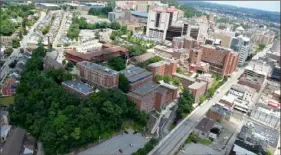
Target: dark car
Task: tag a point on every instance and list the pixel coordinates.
(126, 132)
(120, 151)
(135, 132)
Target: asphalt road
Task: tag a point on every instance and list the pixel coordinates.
(171, 143)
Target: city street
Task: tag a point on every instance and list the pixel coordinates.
(171, 143)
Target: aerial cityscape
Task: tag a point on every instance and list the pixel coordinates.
(165, 77)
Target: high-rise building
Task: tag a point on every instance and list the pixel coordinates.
(221, 60)
(98, 75)
(160, 17)
(242, 46)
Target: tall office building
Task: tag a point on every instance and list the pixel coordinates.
(160, 17)
(242, 46)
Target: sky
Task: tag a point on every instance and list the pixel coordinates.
(261, 5)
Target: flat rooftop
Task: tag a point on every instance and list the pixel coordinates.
(159, 63)
(146, 88)
(197, 85)
(134, 74)
(79, 86)
(96, 67)
(184, 76)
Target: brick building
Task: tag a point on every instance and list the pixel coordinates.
(51, 63)
(196, 65)
(222, 61)
(207, 78)
(79, 88)
(163, 68)
(137, 76)
(185, 80)
(96, 55)
(219, 112)
(152, 96)
(197, 89)
(98, 75)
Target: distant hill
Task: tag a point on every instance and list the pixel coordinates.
(237, 11)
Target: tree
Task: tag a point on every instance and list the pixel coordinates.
(16, 43)
(117, 63)
(123, 83)
(154, 59)
(180, 71)
(69, 65)
(167, 79)
(115, 26)
(158, 78)
(63, 61)
(202, 99)
(176, 81)
(8, 51)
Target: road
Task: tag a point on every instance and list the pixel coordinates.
(16, 53)
(31, 30)
(171, 143)
(62, 25)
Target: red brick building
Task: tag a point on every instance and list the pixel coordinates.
(197, 89)
(137, 77)
(220, 60)
(106, 52)
(152, 96)
(98, 75)
(163, 68)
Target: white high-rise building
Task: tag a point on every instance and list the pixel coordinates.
(241, 45)
(160, 17)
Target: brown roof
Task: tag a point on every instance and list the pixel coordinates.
(107, 48)
(13, 146)
(205, 125)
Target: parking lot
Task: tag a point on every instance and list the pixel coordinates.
(198, 149)
(121, 142)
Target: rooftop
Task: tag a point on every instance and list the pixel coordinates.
(140, 14)
(96, 67)
(49, 4)
(197, 85)
(79, 86)
(159, 63)
(184, 77)
(13, 145)
(146, 88)
(135, 74)
(242, 88)
(205, 124)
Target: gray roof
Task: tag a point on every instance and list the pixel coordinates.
(205, 124)
(79, 86)
(184, 77)
(13, 145)
(197, 85)
(96, 67)
(53, 62)
(219, 110)
(135, 74)
(146, 88)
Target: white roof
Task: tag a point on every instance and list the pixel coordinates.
(229, 98)
(49, 4)
(240, 28)
(5, 130)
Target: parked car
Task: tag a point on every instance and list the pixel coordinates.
(120, 151)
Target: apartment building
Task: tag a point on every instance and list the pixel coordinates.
(137, 76)
(263, 36)
(206, 78)
(79, 88)
(196, 65)
(160, 17)
(243, 92)
(97, 55)
(100, 76)
(163, 68)
(254, 75)
(242, 46)
(222, 61)
(224, 36)
(198, 89)
(185, 80)
(266, 115)
(152, 96)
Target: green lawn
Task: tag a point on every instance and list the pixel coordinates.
(7, 100)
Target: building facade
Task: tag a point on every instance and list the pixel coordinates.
(98, 75)
(197, 89)
(163, 68)
(242, 46)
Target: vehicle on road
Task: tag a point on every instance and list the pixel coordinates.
(135, 132)
(126, 132)
(120, 151)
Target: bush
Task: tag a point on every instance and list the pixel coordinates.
(147, 147)
(8, 51)
(123, 83)
(117, 63)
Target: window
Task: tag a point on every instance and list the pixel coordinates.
(157, 19)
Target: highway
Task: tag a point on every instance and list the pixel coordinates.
(171, 143)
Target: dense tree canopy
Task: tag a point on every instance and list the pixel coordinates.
(123, 83)
(117, 63)
(60, 120)
(184, 105)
